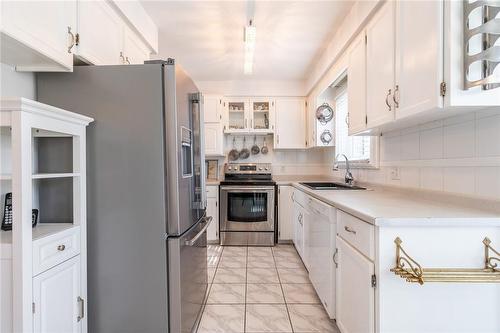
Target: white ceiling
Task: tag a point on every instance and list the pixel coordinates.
(206, 37)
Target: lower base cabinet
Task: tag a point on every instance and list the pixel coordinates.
(213, 210)
(355, 304)
(57, 304)
(285, 214)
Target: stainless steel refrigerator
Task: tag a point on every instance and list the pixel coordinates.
(146, 221)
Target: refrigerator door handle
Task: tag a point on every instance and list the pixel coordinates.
(193, 240)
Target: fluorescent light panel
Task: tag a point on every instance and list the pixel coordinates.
(250, 35)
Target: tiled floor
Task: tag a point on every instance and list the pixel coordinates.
(261, 289)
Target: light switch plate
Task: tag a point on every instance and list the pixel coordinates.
(395, 173)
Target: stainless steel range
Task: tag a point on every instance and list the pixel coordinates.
(247, 209)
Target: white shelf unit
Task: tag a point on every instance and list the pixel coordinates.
(42, 151)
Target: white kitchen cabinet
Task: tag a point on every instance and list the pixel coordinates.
(214, 145)
(213, 210)
(134, 49)
(255, 115)
(57, 301)
(285, 214)
(213, 109)
(356, 86)
(36, 35)
(419, 57)
(380, 54)
(101, 33)
(355, 305)
(290, 129)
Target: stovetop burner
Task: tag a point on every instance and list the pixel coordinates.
(248, 174)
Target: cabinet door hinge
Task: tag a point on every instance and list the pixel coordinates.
(442, 89)
(77, 39)
(374, 281)
(366, 39)
(33, 307)
(366, 120)
(216, 203)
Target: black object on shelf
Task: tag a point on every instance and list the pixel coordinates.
(7, 214)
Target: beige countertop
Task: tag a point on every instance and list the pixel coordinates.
(396, 207)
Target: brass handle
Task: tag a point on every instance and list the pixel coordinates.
(127, 61)
(61, 247)
(352, 231)
(72, 40)
(122, 57)
(81, 303)
(334, 258)
(387, 99)
(396, 100)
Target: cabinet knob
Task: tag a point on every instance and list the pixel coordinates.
(122, 58)
(61, 247)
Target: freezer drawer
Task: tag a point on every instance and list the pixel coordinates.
(187, 277)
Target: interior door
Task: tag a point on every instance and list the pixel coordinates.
(55, 295)
(419, 56)
(380, 54)
(355, 295)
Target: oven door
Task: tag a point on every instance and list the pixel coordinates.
(249, 208)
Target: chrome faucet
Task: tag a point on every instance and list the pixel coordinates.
(349, 179)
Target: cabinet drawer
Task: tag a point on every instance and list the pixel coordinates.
(300, 197)
(212, 191)
(357, 233)
(52, 250)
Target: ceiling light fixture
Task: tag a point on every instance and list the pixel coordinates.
(249, 39)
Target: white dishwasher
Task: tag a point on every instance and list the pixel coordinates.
(321, 251)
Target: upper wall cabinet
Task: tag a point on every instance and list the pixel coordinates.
(249, 115)
(356, 86)
(380, 67)
(100, 31)
(414, 67)
(38, 34)
(291, 130)
(49, 35)
(213, 109)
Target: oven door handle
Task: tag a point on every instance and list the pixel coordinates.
(247, 189)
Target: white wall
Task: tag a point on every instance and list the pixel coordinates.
(253, 88)
(459, 155)
(16, 84)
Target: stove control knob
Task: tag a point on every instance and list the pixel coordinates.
(267, 168)
(260, 169)
(230, 168)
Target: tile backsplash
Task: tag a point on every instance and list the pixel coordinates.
(315, 161)
(460, 155)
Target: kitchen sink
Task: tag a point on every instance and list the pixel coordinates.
(331, 186)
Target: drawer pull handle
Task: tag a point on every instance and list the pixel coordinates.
(334, 258)
(352, 231)
(61, 247)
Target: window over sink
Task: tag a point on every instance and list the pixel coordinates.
(362, 151)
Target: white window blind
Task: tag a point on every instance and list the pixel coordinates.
(356, 148)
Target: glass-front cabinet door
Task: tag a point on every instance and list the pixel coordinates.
(237, 115)
(262, 115)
